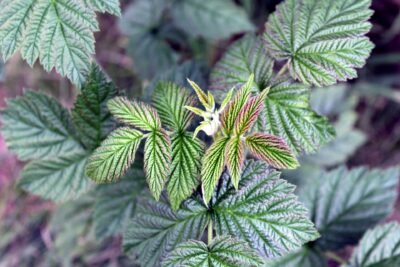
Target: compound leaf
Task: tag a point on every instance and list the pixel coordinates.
(115, 204)
(156, 229)
(287, 111)
(264, 212)
(185, 169)
(157, 161)
(380, 247)
(135, 113)
(344, 204)
(90, 113)
(212, 167)
(59, 179)
(193, 16)
(170, 100)
(36, 126)
(115, 155)
(272, 150)
(223, 251)
(57, 32)
(322, 41)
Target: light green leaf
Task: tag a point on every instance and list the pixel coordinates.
(170, 100)
(135, 113)
(272, 150)
(344, 204)
(380, 247)
(305, 257)
(115, 204)
(322, 41)
(232, 110)
(185, 169)
(212, 167)
(157, 161)
(110, 6)
(115, 155)
(58, 32)
(223, 251)
(264, 212)
(235, 155)
(90, 114)
(156, 229)
(287, 110)
(221, 18)
(36, 126)
(58, 179)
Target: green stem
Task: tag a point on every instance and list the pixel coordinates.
(210, 232)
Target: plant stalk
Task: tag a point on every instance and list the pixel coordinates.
(334, 257)
(283, 69)
(210, 232)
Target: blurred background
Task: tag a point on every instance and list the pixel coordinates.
(141, 48)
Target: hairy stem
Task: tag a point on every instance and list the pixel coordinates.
(210, 232)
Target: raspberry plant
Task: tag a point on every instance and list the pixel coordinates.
(191, 177)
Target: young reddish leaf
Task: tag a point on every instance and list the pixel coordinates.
(231, 112)
(234, 154)
(135, 113)
(249, 113)
(212, 167)
(272, 150)
(157, 161)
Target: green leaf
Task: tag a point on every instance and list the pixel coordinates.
(185, 169)
(90, 114)
(289, 116)
(287, 110)
(344, 204)
(223, 251)
(170, 100)
(264, 212)
(115, 204)
(235, 155)
(272, 150)
(58, 179)
(36, 126)
(148, 47)
(322, 41)
(232, 110)
(110, 6)
(380, 247)
(304, 257)
(212, 167)
(157, 161)
(58, 32)
(243, 58)
(156, 229)
(221, 18)
(112, 159)
(135, 113)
